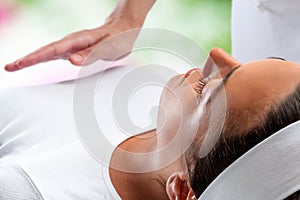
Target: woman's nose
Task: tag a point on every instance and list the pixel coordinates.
(219, 61)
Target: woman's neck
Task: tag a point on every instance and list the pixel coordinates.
(148, 184)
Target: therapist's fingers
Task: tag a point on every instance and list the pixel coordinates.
(111, 41)
(80, 58)
(50, 52)
(58, 50)
(111, 47)
(103, 51)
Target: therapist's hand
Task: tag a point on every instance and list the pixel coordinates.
(77, 46)
(104, 42)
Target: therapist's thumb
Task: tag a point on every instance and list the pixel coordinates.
(76, 59)
(82, 58)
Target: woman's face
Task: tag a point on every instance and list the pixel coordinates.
(186, 99)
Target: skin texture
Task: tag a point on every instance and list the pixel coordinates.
(75, 47)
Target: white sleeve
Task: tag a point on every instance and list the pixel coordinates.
(264, 28)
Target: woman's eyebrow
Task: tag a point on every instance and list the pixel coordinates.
(225, 79)
(278, 58)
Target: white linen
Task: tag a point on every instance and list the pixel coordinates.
(38, 134)
(269, 171)
(14, 184)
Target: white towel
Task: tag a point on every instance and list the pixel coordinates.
(269, 171)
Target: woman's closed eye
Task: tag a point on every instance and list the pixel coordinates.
(199, 86)
(203, 82)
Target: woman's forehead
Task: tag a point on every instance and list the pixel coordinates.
(261, 80)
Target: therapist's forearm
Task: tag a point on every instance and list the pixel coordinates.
(133, 11)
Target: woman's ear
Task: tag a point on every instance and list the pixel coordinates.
(177, 187)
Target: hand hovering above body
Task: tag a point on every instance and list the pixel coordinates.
(76, 47)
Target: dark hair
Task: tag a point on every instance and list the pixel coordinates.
(233, 143)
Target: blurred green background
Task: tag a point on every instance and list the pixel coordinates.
(25, 25)
(205, 21)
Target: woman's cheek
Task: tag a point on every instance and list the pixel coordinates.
(169, 113)
(176, 108)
